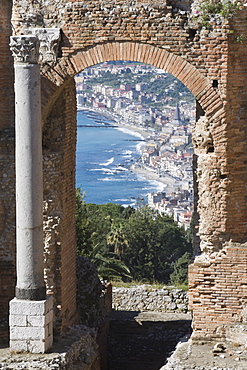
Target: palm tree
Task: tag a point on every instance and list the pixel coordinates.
(117, 240)
(108, 265)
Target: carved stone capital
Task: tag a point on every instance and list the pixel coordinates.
(49, 42)
(25, 49)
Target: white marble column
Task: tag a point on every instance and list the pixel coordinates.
(29, 179)
(31, 313)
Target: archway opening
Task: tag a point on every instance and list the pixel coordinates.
(140, 100)
(150, 101)
(199, 85)
(149, 157)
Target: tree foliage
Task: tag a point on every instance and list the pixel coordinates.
(180, 271)
(116, 240)
(108, 264)
(127, 242)
(155, 243)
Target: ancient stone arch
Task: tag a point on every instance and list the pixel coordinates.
(200, 86)
(211, 62)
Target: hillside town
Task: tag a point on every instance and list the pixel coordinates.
(154, 102)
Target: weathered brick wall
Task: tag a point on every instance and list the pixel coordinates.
(236, 112)
(68, 257)
(218, 291)
(59, 143)
(89, 23)
(7, 70)
(212, 64)
(7, 281)
(217, 279)
(7, 174)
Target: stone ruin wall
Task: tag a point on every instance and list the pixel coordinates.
(213, 66)
(146, 298)
(7, 174)
(59, 146)
(218, 277)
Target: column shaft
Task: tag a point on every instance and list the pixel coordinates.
(31, 312)
(29, 183)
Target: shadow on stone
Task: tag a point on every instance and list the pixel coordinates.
(144, 340)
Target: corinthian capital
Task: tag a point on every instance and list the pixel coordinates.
(25, 48)
(49, 39)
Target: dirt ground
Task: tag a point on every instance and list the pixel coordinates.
(187, 356)
(201, 356)
(144, 340)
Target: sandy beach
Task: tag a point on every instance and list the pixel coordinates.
(134, 128)
(118, 121)
(166, 181)
(149, 174)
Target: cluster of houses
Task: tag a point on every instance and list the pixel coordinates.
(172, 161)
(168, 151)
(131, 100)
(180, 209)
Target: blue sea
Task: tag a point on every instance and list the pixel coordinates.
(103, 159)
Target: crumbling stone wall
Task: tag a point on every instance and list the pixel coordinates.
(7, 173)
(78, 350)
(217, 277)
(147, 298)
(59, 146)
(211, 61)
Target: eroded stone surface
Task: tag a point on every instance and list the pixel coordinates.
(211, 62)
(188, 356)
(76, 350)
(144, 340)
(146, 298)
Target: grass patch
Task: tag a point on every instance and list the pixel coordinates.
(183, 287)
(150, 286)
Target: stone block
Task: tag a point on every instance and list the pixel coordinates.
(17, 320)
(37, 346)
(48, 330)
(31, 325)
(40, 321)
(49, 302)
(27, 333)
(33, 308)
(172, 306)
(18, 345)
(167, 299)
(182, 306)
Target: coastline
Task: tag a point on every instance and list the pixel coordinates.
(148, 174)
(124, 125)
(145, 134)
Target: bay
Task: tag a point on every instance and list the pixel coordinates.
(103, 159)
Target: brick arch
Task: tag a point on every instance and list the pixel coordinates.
(59, 113)
(189, 75)
(218, 280)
